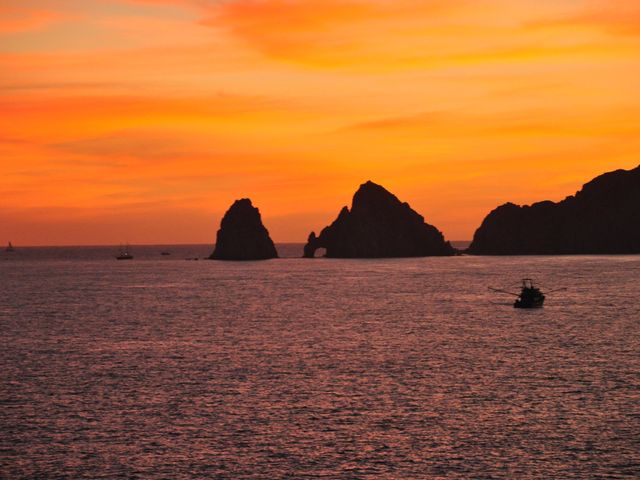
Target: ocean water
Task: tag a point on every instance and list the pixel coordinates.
(161, 368)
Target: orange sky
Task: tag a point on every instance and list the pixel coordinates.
(142, 120)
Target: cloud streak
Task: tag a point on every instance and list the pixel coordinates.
(19, 19)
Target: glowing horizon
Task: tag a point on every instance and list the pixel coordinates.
(143, 120)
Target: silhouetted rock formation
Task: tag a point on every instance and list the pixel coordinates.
(242, 235)
(378, 225)
(603, 217)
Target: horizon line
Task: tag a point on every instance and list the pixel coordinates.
(88, 245)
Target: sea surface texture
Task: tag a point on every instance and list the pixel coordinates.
(162, 368)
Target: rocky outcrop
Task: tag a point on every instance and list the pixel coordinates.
(603, 217)
(242, 236)
(378, 225)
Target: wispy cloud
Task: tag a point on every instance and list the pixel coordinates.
(16, 19)
(618, 18)
(407, 34)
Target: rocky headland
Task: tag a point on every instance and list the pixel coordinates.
(242, 236)
(378, 225)
(603, 217)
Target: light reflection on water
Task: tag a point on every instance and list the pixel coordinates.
(292, 368)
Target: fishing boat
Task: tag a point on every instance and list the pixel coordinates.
(124, 254)
(9, 248)
(530, 296)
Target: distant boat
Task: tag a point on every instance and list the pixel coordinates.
(165, 253)
(124, 254)
(9, 248)
(529, 296)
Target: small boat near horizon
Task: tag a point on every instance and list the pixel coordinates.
(124, 254)
(10, 248)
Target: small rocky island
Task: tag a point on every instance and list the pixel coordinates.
(378, 226)
(603, 217)
(242, 236)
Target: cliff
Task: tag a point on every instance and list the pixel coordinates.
(242, 236)
(378, 225)
(603, 217)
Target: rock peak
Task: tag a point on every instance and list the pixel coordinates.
(370, 184)
(378, 225)
(241, 202)
(370, 187)
(242, 236)
(372, 195)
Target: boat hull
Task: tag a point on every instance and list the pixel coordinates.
(537, 303)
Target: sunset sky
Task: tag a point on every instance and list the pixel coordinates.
(142, 120)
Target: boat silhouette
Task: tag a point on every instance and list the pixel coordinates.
(124, 254)
(530, 296)
(9, 248)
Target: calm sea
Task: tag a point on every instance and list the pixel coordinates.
(162, 368)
